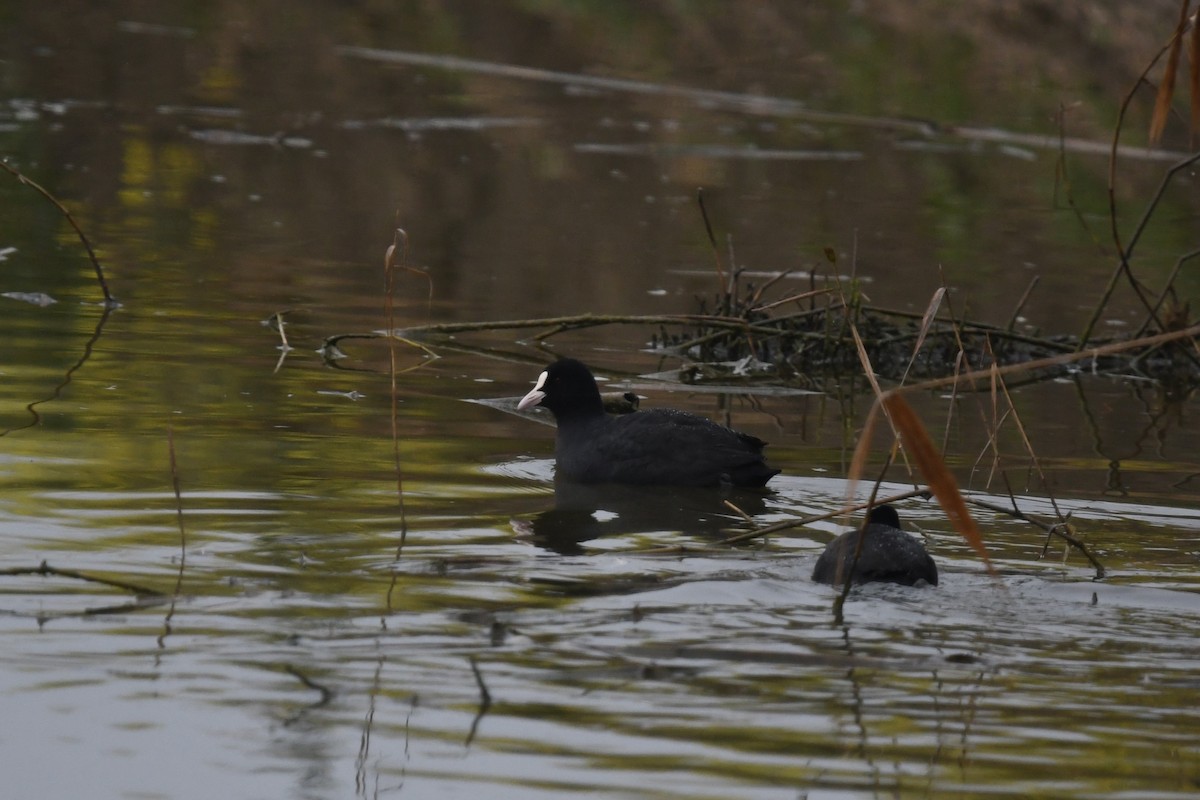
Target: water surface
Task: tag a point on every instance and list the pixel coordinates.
(319, 631)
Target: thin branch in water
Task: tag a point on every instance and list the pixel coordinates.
(1125, 253)
(390, 263)
(1062, 176)
(276, 321)
(1055, 529)
(364, 738)
(712, 239)
(162, 638)
(485, 701)
(802, 521)
(109, 300)
(1168, 289)
(45, 569)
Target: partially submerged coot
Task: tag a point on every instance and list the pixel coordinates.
(659, 446)
(889, 555)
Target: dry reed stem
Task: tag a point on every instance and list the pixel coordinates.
(927, 319)
(733, 507)
(865, 361)
(1111, 348)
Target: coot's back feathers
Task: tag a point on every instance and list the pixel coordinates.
(889, 555)
(660, 446)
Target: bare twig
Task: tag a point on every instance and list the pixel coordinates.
(1056, 529)
(109, 300)
(797, 523)
(45, 569)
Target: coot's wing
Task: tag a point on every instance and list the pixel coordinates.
(665, 446)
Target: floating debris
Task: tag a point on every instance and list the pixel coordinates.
(34, 298)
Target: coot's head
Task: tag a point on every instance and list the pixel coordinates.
(883, 515)
(567, 388)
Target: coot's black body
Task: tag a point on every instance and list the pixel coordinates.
(889, 555)
(655, 447)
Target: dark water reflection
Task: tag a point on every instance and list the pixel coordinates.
(582, 513)
(233, 162)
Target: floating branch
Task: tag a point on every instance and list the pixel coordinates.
(46, 570)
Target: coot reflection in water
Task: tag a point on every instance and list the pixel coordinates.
(888, 555)
(583, 512)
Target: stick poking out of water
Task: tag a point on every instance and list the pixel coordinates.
(109, 300)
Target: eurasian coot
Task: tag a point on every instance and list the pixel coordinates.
(660, 446)
(889, 555)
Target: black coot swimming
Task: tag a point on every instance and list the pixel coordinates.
(656, 447)
(889, 555)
